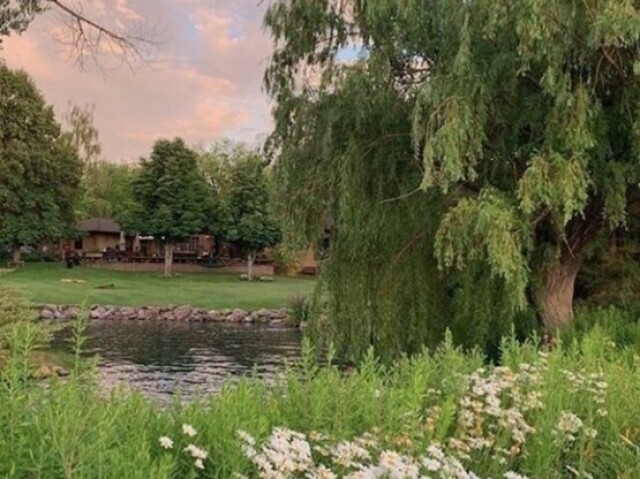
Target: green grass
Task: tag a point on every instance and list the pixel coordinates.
(70, 430)
(41, 283)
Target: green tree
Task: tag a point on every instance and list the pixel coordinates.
(170, 196)
(246, 216)
(106, 188)
(107, 191)
(507, 129)
(82, 133)
(39, 169)
(15, 16)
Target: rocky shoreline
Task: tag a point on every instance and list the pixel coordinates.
(267, 317)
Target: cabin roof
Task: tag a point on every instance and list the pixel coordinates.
(99, 225)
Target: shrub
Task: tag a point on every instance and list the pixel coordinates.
(298, 309)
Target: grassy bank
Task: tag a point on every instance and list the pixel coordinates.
(569, 413)
(49, 283)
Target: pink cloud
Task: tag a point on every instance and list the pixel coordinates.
(205, 83)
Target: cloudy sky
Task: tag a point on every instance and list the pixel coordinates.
(203, 81)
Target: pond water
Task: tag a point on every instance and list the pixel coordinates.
(162, 359)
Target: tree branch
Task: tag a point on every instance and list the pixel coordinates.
(87, 39)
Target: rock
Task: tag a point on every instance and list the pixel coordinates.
(263, 313)
(152, 314)
(46, 371)
(278, 314)
(72, 313)
(237, 315)
(128, 313)
(276, 323)
(215, 316)
(182, 313)
(46, 313)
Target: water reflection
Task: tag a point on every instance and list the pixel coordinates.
(163, 358)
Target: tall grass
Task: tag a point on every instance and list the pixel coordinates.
(570, 412)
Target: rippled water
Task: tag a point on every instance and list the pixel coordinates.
(161, 359)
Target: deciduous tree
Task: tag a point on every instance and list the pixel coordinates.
(39, 169)
(506, 132)
(170, 196)
(246, 216)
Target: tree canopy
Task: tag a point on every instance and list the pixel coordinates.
(241, 211)
(470, 156)
(39, 169)
(170, 194)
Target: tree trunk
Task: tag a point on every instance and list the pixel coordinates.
(555, 295)
(168, 258)
(17, 257)
(250, 259)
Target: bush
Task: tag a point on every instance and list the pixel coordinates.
(298, 309)
(37, 256)
(569, 412)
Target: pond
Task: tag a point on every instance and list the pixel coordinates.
(162, 359)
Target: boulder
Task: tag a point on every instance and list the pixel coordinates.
(278, 314)
(152, 314)
(237, 316)
(72, 313)
(215, 316)
(46, 313)
(128, 313)
(183, 313)
(276, 323)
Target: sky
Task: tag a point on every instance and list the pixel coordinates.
(202, 82)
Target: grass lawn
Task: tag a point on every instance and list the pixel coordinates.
(42, 283)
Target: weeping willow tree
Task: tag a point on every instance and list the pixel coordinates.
(469, 157)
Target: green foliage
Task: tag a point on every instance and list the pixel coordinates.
(15, 16)
(39, 169)
(170, 193)
(514, 118)
(69, 429)
(82, 134)
(247, 219)
(108, 192)
(298, 308)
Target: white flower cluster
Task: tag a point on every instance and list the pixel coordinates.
(197, 454)
(495, 402)
(287, 454)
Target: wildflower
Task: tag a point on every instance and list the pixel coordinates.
(246, 437)
(196, 452)
(188, 430)
(166, 442)
(590, 432)
(514, 475)
(431, 465)
(323, 473)
(199, 464)
(569, 422)
(389, 459)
